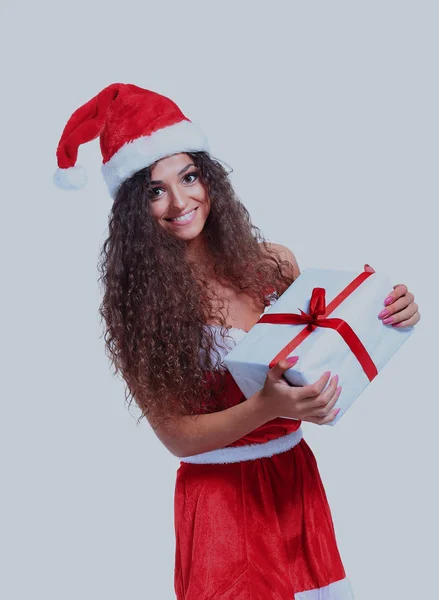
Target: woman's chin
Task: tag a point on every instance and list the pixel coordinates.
(190, 232)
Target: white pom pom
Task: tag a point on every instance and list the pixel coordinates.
(73, 178)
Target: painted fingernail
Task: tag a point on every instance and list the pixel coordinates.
(292, 359)
(336, 379)
(337, 411)
(338, 389)
(388, 300)
(327, 373)
(388, 320)
(383, 313)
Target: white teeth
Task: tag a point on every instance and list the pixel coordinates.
(185, 217)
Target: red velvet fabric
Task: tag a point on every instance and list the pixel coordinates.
(255, 530)
(120, 113)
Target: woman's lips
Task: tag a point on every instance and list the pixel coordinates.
(186, 221)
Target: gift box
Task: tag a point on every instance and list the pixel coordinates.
(329, 318)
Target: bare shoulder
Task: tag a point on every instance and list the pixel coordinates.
(286, 254)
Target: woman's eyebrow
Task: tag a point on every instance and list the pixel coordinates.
(179, 173)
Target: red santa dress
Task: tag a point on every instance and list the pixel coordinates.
(252, 520)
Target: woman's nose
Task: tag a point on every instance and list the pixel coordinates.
(178, 199)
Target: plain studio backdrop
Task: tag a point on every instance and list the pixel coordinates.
(327, 112)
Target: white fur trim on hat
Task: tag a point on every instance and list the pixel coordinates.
(185, 136)
(72, 178)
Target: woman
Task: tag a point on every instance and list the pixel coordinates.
(185, 275)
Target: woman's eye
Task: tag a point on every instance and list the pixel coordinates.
(193, 174)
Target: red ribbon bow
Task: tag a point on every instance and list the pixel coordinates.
(317, 307)
(317, 317)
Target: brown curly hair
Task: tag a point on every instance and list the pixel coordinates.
(156, 302)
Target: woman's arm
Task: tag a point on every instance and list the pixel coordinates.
(185, 435)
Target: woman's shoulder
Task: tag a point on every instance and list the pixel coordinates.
(285, 253)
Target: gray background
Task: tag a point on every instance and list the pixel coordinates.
(327, 111)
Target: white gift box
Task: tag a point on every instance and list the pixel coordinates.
(324, 349)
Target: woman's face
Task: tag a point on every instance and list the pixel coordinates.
(177, 190)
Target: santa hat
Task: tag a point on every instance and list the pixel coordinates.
(136, 127)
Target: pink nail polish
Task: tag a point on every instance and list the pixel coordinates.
(292, 359)
(388, 300)
(383, 313)
(337, 411)
(388, 320)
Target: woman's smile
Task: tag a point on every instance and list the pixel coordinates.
(179, 198)
(184, 219)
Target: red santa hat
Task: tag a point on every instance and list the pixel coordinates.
(136, 127)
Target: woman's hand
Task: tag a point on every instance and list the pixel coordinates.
(307, 403)
(401, 309)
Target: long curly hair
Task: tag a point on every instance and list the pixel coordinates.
(156, 303)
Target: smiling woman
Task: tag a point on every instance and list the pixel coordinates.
(182, 199)
(250, 512)
(207, 269)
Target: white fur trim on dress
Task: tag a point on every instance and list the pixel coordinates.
(185, 136)
(248, 452)
(339, 590)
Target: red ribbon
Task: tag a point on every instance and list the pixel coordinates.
(317, 317)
